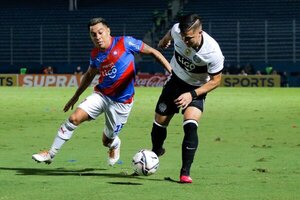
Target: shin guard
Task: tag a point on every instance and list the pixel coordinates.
(158, 136)
(189, 145)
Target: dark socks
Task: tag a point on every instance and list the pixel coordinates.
(189, 146)
(158, 136)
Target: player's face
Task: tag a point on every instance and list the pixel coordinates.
(100, 35)
(192, 38)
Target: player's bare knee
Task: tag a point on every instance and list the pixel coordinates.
(159, 124)
(162, 121)
(74, 120)
(78, 117)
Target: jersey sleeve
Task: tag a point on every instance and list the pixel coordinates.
(133, 45)
(216, 66)
(175, 30)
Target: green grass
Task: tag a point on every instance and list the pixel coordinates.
(249, 148)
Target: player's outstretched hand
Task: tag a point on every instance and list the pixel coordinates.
(71, 103)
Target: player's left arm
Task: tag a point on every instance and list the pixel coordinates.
(157, 55)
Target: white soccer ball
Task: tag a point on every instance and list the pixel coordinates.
(145, 162)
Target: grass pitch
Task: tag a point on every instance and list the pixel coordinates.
(249, 148)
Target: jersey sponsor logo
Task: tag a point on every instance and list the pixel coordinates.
(109, 70)
(110, 73)
(187, 65)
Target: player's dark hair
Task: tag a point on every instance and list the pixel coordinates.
(97, 20)
(187, 22)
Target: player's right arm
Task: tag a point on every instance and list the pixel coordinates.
(165, 42)
(158, 56)
(85, 82)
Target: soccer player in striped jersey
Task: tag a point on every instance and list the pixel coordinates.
(112, 58)
(197, 69)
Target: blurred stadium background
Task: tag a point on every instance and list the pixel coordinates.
(254, 35)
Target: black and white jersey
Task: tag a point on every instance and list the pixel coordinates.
(194, 67)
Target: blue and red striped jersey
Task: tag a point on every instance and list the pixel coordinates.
(116, 68)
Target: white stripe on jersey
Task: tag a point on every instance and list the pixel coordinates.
(191, 66)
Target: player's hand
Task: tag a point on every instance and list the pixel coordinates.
(71, 103)
(183, 100)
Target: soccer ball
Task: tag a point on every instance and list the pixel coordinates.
(145, 162)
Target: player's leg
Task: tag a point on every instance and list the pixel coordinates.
(190, 142)
(159, 133)
(164, 111)
(64, 133)
(114, 148)
(88, 109)
(116, 116)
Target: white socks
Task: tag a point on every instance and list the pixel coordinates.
(115, 144)
(64, 133)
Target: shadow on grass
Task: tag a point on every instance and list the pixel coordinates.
(65, 172)
(80, 172)
(171, 180)
(124, 183)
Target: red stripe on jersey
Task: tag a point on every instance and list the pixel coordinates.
(122, 82)
(115, 53)
(94, 53)
(113, 56)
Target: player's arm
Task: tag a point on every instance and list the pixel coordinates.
(214, 82)
(186, 98)
(165, 42)
(157, 55)
(85, 82)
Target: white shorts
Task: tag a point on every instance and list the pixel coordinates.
(116, 114)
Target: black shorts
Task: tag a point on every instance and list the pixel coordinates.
(173, 88)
